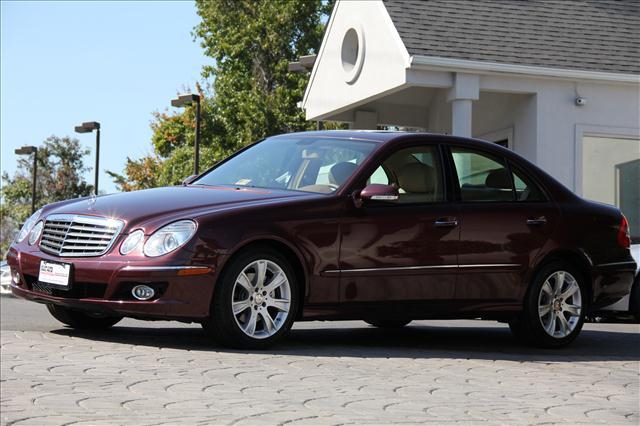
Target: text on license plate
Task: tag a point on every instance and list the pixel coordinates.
(54, 273)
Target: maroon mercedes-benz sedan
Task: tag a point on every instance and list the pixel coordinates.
(386, 227)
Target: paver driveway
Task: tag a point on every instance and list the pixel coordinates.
(325, 373)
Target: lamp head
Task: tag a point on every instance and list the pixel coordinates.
(184, 100)
(26, 150)
(87, 127)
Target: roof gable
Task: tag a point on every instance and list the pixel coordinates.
(379, 65)
(581, 35)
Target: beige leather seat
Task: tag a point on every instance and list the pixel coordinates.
(418, 181)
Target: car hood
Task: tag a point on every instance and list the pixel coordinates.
(186, 201)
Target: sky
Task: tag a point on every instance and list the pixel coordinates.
(63, 63)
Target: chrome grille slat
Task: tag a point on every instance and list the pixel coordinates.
(51, 241)
(91, 228)
(79, 236)
(72, 243)
(55, 232)
(55, 237)
(81, 248)
(51, 245)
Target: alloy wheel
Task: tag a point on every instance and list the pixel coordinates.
(560, 304)
(261, 299)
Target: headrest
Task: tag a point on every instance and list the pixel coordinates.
(498, 179)
(340, 172)
(417, 178)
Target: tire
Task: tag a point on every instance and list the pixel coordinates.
(553, 316)
(80, 320)
(634, 299)
(264, 308)
(388, 323)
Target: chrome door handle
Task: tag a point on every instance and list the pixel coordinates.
(537, 222)
(446, 222)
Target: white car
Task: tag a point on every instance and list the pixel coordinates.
(5, 278)
(630, 304)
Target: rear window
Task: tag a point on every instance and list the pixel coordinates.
(486, 178)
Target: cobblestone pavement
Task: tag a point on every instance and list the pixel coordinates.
(325, 373)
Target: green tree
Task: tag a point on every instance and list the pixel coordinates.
(253, 95)
(252, 43)
(60, 177)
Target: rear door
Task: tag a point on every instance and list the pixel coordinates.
(505, 219)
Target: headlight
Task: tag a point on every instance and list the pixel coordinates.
(167, 239)
(26, 228)
(35, 233)
(131, 242)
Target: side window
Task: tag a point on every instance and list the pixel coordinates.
(379, 176)
(526, 190)
(482, 177)
(415, 171)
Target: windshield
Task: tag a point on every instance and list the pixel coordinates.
(319, 165)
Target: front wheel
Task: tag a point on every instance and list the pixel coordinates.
(255, 301)
(81, 320)
(554, 307)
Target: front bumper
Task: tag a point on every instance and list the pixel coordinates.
(104, 285)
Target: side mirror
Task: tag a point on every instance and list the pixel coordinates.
(188, 180)
(376, 192)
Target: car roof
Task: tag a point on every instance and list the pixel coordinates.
(385, 136)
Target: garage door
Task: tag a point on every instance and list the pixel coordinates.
(611, 174)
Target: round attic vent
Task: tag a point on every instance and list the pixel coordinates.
(352, 54)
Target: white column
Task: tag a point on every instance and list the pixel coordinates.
(465, 90)
(461, 117)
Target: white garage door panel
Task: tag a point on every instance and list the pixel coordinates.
(611, 174)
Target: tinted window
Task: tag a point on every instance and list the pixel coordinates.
(482, 177)
(415, 171)
(526, 190)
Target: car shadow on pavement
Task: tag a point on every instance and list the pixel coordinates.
(418, 341)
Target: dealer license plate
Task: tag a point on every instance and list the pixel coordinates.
(55, 274)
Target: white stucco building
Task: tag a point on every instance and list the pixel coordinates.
(556, 81)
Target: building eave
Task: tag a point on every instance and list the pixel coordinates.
(481, 67)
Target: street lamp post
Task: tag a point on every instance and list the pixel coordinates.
(88, 127)
(26, 150)
(184, 100)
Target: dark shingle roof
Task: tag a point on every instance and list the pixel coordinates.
(583, 35)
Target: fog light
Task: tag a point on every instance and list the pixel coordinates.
(15, 276)
(143, 292)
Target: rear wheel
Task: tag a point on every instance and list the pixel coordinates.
(554, 307)
(81, 320)
(388, 323)
(255, 301)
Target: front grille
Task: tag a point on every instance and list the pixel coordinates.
(78, 236)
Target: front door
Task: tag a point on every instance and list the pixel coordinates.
(505, 219)
(404, 250)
